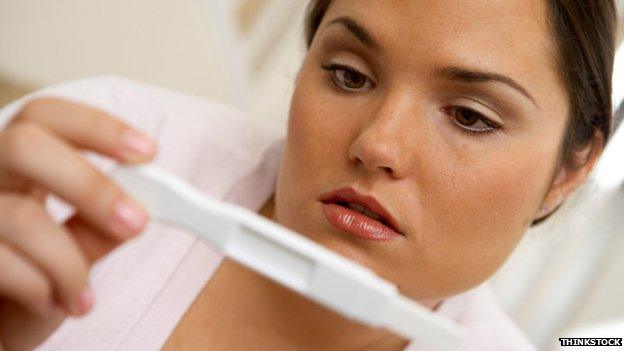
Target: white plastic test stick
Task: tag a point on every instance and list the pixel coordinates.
(289, 258)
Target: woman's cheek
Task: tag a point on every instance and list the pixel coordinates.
(504, 207)
(319, 128)
(305, 160)
(308, 135)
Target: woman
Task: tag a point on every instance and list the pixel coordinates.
(467, 121)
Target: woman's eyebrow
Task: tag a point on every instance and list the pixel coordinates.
(358, 31)
(475, 76)
(450, 72)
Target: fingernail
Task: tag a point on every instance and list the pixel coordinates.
(130, 216)
(137, 143)
(84, 302)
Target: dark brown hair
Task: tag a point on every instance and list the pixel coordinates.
(584, 31)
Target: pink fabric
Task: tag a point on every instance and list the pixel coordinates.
(144, 287)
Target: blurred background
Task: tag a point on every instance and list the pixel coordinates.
(565, 278)
(242, 52)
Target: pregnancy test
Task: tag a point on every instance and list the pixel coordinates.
(287, 257)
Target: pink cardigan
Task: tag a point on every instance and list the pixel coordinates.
(144, 287)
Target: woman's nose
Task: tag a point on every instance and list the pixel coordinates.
(380, 145)
(373, 160)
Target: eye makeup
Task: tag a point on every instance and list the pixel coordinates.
(348, 79)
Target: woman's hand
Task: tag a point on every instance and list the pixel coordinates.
(44, 265)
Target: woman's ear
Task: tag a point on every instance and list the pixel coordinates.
(569, 179)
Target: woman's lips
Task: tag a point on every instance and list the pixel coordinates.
(343, 218)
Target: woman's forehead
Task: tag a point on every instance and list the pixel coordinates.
(519, 25)
(461, 12)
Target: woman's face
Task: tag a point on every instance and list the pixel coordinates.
(449, 113)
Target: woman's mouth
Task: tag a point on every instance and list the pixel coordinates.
(359, 215)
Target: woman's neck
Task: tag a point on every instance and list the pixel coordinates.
(270, 316)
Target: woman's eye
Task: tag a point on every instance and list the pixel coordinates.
(471, 120)
(348, 79)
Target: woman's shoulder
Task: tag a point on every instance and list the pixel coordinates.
(488, 326)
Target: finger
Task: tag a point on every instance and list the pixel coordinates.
(9, 182)
(89, 128)
(37, 193)
(93, 244)
(32, 153)
(23, 283)
(22, 330)
(25, 226)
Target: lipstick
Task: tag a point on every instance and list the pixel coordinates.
(359, 215)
